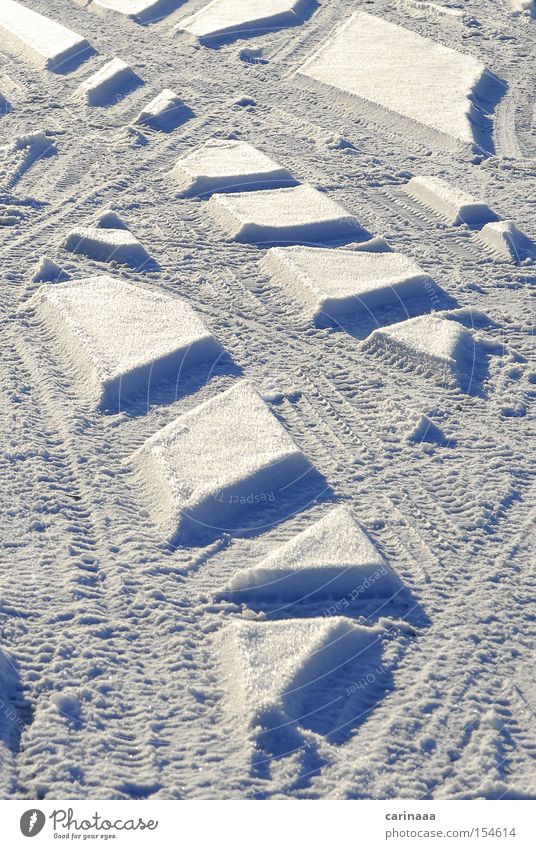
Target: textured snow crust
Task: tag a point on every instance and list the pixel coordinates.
(119, 337)
(242, 457)
(333, 284)
(331, 558)
(282, 215)
(401, 71)
(226, 165)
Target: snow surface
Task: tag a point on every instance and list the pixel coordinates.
(105, 86)
(163, 112)
(455, 205)
(332, 558)
(507, 240)
(241, 17)
(332, 284)
(144, 11)
(401, 71)
(118, 338)
(109, 219)
(21, 153)
(44, 41)
(427, 342)
(227, 165)
(107, 245)
(48, 271)
(523, 6)
(243, 457)
(274, 664)
(116, 688)
(282, 215)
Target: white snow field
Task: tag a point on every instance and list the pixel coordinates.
(107, 245)
(336, 284)
(202, 434)
(274, 665)
(523, 6)
(241, 17)
(117, 338)
(401, 71)
(48, 271)
(142, 11)
(21, 154)
(45, 42)
(428, 343)
(227, 165)
(332, 558)
(109, 219)
(507, 240)
(243, 457)
(453, 204)
(115, 79)
(164, 111)
(301, 213)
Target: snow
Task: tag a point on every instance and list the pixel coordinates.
(117, 338)
(333, 284)
(227, 165)
(401, 71)
(243, 457)
(5, 105)
(163, 112)
(523, 6)
(282, 215)
(111, 82)
(21, 153)
(454, 205)
(331, 558)
(435, 8)
(241, 17)
(8, 712)
(107, 245)
(143, 11)
(272, 665)
(427, 343)
(109, 219)
(507, 240)
(436, 469)
(45, 42)
(48, 271)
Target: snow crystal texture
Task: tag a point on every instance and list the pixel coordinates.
(119, 337)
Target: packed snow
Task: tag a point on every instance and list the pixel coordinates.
(453, 204)
(250, 550)
(118, 338)
(332, 558)
(48, 271)
(282, 215)
(112, 81)
(164, 112)
(107, 245)
(333, 284)
(241, 17)
(428, 343)
(506, 240)
(398, 69)
(143, 11)
(245, 457)
(227, 165)
(523, 6)
(273, 666)
(21, 153)
(45, 42)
